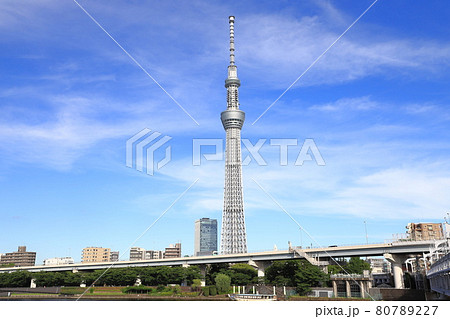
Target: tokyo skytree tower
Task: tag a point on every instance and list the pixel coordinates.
(234, 237)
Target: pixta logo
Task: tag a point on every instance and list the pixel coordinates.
(140, 151)
(308, 151)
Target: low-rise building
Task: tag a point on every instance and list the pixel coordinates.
(154, 254)
(383, 280)
(114, 256)
(345, 285)
(19, 258)
(58, 261)
(95, 254)
(379, 265)
(173, 251)
(137, 253)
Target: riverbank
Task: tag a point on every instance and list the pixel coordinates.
(110, 298)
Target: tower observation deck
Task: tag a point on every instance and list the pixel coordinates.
(233, 236)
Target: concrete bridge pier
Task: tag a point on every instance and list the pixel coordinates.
(397, 260)
(203, 268)
(260, 266)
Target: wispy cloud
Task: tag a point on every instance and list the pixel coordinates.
(347, 104)
(281, 48)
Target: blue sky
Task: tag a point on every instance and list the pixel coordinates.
(376, 105)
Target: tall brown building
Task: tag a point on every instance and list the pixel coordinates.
(19, 258)
(425, 231)
(95, 254)
(173, 251)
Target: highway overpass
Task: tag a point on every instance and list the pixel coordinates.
(395, 252)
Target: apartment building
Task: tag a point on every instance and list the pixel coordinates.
(95, 254)
(173, 251)
(379, 265)
(19, 258)
(425, 231)
(138, 253)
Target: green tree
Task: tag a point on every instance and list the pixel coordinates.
(308, 276)
(242, 274)
(192, 273)
(335, 269)
(282, 273)
(72, 279)
(15, 279)
(295, 273)
(356, 266)
(196, 284)
(213, 270)
(49, 279)
(222, 283)
(148, 276)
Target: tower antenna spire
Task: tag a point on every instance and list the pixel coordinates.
(231, 21)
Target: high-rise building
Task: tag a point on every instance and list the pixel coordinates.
(173, 251)
(19, 258)
(233, 237)
(95, 254)
(425, 231)
(58, 261)
(205, 237)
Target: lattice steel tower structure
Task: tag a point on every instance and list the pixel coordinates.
(234, 237)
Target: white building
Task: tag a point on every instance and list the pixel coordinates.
(58, 261)
(379, 265)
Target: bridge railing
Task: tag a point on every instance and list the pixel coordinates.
(351, 276)
(440, 265)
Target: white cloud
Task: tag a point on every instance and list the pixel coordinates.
(348, 104)
(277, 49)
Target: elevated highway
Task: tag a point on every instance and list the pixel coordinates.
(395, 252)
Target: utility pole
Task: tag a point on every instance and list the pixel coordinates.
(367, 237)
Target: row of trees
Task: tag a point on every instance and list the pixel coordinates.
(291, 273)
(151, 276)
(354, 266)
(15, 279)
(239, 274)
